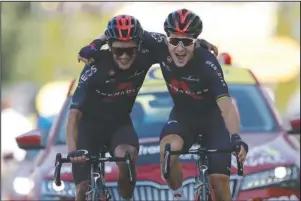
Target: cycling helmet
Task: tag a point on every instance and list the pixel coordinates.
(124, 28)
(183, 21)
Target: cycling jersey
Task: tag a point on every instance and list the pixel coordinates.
(106, 90)
(194, 88)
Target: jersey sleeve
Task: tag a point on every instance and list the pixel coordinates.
(215, 76)
(85, 81)
(154, 42)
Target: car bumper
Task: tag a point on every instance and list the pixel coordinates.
(269, 194)
(11, 197)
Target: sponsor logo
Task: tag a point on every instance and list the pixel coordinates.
(157, 36)
(149, 150)
(182, 87)
(191, 79)
(155, 149)
(125, 88)
(88, 73)
(144, 51)
(137, 73)
(128, 92)
(260, 156)
(218, 72)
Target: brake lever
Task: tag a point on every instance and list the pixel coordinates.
(240, 170)
(130, 165)
(57, 171)
(167, 161)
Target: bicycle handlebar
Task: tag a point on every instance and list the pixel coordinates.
(199, 151)
(92, 159)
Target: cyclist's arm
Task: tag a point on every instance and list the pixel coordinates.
(78, 101)
(219, 88)
(208, 46)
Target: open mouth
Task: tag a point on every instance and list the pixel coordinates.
(124, 61)
(180, 57)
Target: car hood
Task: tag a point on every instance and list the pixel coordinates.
(24, 168)
(266, 151)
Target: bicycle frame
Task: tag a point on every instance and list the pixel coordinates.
(98, 189)
(202, 185)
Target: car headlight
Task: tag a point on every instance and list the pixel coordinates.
(23, 185)
(67, 189)
(270, 177)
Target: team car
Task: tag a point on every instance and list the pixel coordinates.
(271, 169)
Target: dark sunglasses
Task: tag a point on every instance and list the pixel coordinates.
(185, 41)
(130, 51)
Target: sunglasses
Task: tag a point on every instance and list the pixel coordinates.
(186, 42)
(119, 51)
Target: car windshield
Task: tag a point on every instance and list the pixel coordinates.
(31, 154)
(151, 111)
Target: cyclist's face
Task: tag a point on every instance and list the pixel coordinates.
(124, 53)
(181, 49)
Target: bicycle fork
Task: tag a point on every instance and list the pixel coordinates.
(98, 190)
(202, 185)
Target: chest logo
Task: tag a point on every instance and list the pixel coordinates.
(181, 87)
(190, 78)
(137, 73)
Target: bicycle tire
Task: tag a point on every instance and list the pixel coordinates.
(204, 190)
(98, 191)
(96, 196)
(201, 193)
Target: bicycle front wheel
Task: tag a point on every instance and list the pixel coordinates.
(95, 195)
(202, 193)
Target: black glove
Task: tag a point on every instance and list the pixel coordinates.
(236, 140)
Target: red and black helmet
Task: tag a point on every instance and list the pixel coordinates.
(124, 28)
(183, 21)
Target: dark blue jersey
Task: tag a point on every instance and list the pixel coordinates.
(196, 87)
(106, 90)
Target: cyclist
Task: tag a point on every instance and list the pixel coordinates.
(101, 105)
(202, 103)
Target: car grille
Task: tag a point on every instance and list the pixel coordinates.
(151, 191)
(145, 191)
